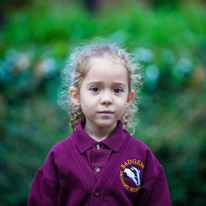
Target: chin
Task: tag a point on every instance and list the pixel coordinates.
(104, 124)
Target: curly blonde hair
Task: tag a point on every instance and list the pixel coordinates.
(78, 63)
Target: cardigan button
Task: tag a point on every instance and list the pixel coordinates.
(96, 193)
(97, 169)
(97, 146)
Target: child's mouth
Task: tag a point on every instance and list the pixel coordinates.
(106, 112)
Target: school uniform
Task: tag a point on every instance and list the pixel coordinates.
(119, 171)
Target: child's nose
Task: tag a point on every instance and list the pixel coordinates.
(106, 98)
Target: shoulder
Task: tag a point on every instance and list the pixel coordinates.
(57, 156)
(60, 151)
(137, 145)
(142, 151)
(63, 145)
(60, 145)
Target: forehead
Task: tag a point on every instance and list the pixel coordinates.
(106, 69)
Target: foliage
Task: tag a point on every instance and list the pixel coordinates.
(170, 45)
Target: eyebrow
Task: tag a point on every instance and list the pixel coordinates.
(100, 83)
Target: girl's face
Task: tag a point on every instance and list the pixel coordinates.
(104, 93)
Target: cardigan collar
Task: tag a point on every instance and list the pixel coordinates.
(84, 142)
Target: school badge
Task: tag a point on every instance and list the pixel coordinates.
(130, 174)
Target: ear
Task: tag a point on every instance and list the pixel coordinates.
(130, 98)
(74, 95)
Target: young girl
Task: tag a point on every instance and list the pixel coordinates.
(100, 163)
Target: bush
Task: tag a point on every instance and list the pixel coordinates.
(170, 45)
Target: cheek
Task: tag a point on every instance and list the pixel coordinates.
(122, 102)
(87, 103)
(121, 106)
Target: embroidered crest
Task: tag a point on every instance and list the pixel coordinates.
(130, 174)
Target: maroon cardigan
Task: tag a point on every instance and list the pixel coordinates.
(132, 175)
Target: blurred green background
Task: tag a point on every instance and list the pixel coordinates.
(169, 38)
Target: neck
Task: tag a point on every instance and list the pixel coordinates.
(98, 133)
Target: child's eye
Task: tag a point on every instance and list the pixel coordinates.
(95, 89)
(118, 90)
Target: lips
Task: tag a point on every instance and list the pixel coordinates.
(106, 112)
